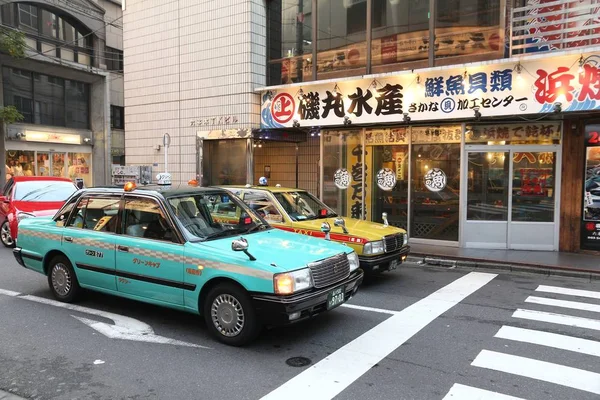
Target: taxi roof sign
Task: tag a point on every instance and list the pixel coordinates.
(129, 186)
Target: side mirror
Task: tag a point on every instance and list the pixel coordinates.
(326, 228)
(241, 244)
(385, 220)
(342, 223)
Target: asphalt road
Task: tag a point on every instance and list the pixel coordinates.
(424, 333)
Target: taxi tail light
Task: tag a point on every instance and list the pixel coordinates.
(323, 213)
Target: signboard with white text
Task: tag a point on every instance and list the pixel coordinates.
(532, 87)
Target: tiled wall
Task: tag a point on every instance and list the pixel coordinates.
(281, 157)
(187, 60)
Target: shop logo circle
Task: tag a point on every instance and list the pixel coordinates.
(341, 178)
(448, 105)
(386, 179)
(282, 108)
(435, 180)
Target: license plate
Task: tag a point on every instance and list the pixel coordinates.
(394, 264)
(335, 297)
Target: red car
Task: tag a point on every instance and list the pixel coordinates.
(30, 196)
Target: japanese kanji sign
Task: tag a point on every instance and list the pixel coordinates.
(514, 133)
(502, 89)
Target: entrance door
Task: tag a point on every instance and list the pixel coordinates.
(512, 196)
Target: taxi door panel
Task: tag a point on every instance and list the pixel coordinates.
(149, 264)
(89, 241)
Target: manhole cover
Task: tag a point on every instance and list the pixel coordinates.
(298, 361)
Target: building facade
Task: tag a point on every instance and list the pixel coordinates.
(485, 139)
(69, 89)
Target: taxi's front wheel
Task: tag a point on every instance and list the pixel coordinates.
(229, 315)
(62, 280)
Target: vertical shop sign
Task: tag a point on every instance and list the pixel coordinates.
(590, 224)
(358, 195)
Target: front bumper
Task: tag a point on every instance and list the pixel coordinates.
(276, 310)
(18, 256)
(382, 262)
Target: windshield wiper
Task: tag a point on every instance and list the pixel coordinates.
(43, 190)
(257, 226)
(223, 233)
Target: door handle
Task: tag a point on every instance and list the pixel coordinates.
(68, 239)
(123, 248)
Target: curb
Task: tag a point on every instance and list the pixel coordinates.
(456, 262)
(9, 396)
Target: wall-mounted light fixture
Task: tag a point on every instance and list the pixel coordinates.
(296, 124)
(347, 120)
(157, 147)
(557, 107)
(87, 140)
(20, 135)
(406, 118)
(477, 113)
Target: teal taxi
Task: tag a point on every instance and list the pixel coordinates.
(200, 250)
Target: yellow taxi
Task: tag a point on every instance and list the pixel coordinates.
(380, 247)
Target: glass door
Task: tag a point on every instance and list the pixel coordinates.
(486, 224)
(43, 164)
(534, 195)
(511, 200)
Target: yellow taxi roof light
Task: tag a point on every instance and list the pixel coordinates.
(129, 186)
(193, 182)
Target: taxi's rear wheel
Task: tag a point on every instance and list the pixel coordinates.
(62, 280)
(229, 315)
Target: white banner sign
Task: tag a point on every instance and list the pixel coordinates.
(533, 87)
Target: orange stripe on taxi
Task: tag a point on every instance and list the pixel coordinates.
(334, 236)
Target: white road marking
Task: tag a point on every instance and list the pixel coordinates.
(377, 310)
(567, 291)
(561, 319)
(462, 392)
(540, 370)
(9, 293)
(124, 328)
(576, 305)
(330, 376)
(555, 340)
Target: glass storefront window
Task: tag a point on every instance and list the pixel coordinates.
(341, 38)
(400, 33)
(80, 168)
(387, 162)
(435, 182)
(290, 41)
(468, 28)
(533, 186)
(487, 188)
(220, 164)
(343, 173)
(19, 163)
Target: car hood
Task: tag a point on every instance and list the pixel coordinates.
(38, 208)
(358, 228)
(288, 251)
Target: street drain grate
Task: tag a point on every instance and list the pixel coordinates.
(298, 361)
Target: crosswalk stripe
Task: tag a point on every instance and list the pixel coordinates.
(540, 370)
(563, 342)
(563, 303)
(330, 376)
(568, 291)
(561, 319)
(462, 392)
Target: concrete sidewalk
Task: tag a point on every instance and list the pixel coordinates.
(9, 396)
(546, 262)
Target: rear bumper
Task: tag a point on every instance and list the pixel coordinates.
(18, 256)
(276, 310)
(382, 262)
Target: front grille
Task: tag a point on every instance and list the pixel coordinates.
(330, 270)
(393, 242)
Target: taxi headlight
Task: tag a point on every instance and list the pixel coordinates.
(373, 247)
(23, 215)
(405, 240)
(353, 260)
(292, 282)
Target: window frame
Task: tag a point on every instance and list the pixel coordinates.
(272, 199)
(178, 237)
(121, 111)
(113, 59)
(86, 197)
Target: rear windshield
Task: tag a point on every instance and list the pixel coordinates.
(43, 191)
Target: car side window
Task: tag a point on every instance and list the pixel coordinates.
(263, 205)
(144, 218)
(8, 188)
(96, 213)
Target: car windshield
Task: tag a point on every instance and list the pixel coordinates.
(302, 206)
(43, 190)
(212, 215)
